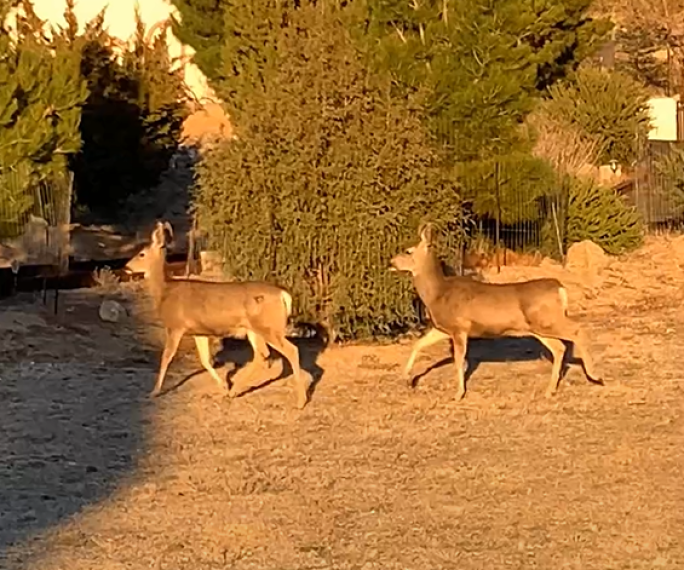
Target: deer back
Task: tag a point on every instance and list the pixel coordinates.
(219, 308)
(495, 309)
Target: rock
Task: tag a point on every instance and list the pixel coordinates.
(111, 311)
(586, 256)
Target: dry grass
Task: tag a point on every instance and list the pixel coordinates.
(369, 475)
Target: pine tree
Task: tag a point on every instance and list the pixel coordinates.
(201, 26)
(41, 94)
(485, 61)
(132, 119)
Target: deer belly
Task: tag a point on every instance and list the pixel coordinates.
(215, 325)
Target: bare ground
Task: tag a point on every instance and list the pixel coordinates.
(370, 475)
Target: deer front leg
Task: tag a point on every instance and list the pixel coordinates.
(460, 341)
(433, 336)
(202, 343)
(173, 338)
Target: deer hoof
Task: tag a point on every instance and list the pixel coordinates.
(154, 393)
(550, 394)
(460, 395)
(302, 402)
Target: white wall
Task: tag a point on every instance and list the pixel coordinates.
(663, 112)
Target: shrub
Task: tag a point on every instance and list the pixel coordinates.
(609, 107)
(599, 214)
(41, 94)
(329, 177)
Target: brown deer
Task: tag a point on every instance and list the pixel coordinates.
(460, 307)
(204, 309)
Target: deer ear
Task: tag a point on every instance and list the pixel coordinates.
(426, 233)
(167, 226)
(158, 237)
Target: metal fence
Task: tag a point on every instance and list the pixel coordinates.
(39, 233)
(512, 210)
(656, 188)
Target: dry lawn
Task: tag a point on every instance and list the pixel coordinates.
(370, 475)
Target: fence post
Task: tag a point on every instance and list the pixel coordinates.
(497, 189)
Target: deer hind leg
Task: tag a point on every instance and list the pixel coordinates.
(173, 338)
(460, 341)
(260, 349)
(557, 349)
(579, 342)
(433, 336)
(290, 352)
(202, 343)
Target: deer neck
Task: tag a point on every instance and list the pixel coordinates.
(156, 279)
(429, 280)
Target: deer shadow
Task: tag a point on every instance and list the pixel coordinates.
(505, 349)
(236, 355)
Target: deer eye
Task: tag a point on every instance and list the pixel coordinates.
(142, 254)
(410, 250)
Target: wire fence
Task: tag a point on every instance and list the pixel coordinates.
(37, 233)
(656, 188)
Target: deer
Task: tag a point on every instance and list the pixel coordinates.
(461, 307)
(205, 309)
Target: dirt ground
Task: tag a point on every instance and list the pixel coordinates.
(372, 474)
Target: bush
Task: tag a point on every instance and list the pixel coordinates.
(599, 214)
(329, 177)
(609, 107)
(41, 94)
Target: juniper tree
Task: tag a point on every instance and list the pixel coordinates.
(329, 175)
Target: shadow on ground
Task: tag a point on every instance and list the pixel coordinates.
(507, 349)
(235, 356)
(72, 415)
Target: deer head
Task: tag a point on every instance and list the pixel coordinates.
(416, 257)
(154, 254)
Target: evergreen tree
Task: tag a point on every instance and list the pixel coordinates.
(608, 107)
(132, 119)
(484, 60)
(638, 47)
(41, 93)
(329, 175)
(201, 26)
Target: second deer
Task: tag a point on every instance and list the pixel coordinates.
(204, 309)
(460, 307)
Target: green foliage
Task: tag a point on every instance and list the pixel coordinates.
(609, 107)
(508, 188)
(201, 26)
(670, 167)
(41, 93)
(599, 214)
(329, 176)
(639, 46)
(483, 61)
(132, 119)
